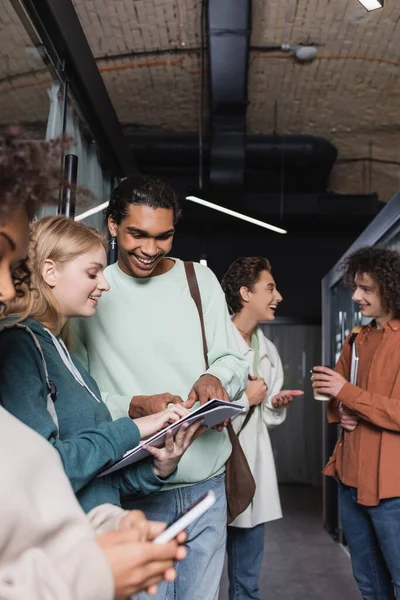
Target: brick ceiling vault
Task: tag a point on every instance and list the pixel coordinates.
(147, 51)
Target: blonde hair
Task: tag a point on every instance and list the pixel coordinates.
(61, 240)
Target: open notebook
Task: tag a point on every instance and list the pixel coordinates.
(213, 413)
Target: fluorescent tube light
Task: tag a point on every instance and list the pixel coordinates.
(91, 211)
(233, 213)
(371, 4)
(227, 211)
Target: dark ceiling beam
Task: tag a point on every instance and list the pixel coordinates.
(228, 28)
(62, 35)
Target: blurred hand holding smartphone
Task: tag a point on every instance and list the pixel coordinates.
(193, 513)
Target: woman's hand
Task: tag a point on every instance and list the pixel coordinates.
(145, 530)
(166, 459)
(285, 397)
(256, 390)
(150, 425)
(137, 566)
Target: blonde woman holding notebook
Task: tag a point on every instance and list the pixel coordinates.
(48, 547)
(67, 260)
(252, 295)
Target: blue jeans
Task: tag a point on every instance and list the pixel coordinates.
(245, 549)
(373, 537)
(199, 575)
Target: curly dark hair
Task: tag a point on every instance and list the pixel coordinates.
(22, 279)
(142, 190)
(30, 176)
(242, 272)
(383, 266)
(30, 172)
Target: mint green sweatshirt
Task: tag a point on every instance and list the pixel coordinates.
(146, 339)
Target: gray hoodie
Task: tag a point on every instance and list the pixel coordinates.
(47, 545)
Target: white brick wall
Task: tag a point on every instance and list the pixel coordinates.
(352, 101)
(154, 91)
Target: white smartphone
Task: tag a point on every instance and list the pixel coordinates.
(193, 513)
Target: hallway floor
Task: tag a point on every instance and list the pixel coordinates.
(301, 561)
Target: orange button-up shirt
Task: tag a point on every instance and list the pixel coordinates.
(369, 457)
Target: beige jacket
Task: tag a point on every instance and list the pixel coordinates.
(47, 545)
(255, 438)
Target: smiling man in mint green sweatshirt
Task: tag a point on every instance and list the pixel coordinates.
(144, 347)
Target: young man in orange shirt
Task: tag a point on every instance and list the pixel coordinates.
(367, 456)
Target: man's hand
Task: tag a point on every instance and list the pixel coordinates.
(166, 459)
(206, 388)
(256, 390)
(348, 419)
(327, 381)
(138, 566)
(285, 397)
(142, 406)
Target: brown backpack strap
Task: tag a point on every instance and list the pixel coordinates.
(247, 419)
(195, 293)
(239, 482)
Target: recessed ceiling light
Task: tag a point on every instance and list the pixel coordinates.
(371, 4)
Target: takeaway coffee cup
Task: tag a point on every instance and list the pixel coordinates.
(321, 397)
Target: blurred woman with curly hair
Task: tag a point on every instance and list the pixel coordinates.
(366, 458)
(30, 176)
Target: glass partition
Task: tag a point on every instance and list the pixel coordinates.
(297, 443)
(33, 95)
(25, 77)
(93, 180)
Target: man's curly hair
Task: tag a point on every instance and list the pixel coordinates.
(30, 176)
(142, 190)
(383, 266)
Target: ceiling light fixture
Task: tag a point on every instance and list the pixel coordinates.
(306, 53)
(91, 211)
(371, 4)
(233, 213)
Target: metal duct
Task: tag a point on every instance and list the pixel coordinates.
(229, 25)
(302, 162)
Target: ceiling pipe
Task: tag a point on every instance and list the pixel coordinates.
(229, 27)
(307, 157)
